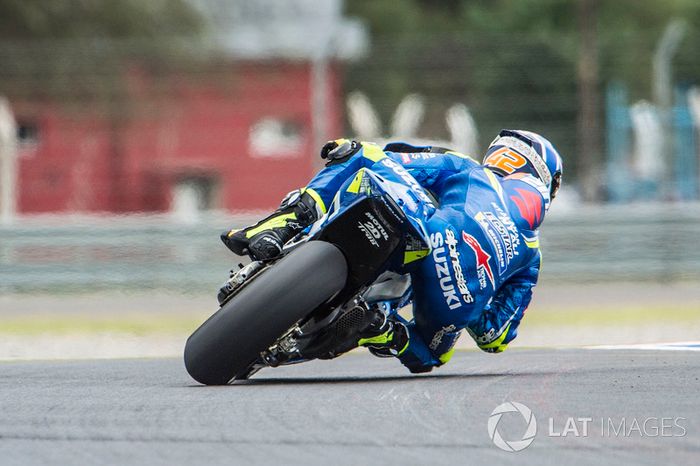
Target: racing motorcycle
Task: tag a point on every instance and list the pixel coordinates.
(343, 275)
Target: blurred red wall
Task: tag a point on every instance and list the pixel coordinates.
(128, 154)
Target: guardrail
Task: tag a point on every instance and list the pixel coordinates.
(634, 242)
(589, 244)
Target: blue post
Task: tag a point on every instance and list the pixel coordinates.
(618, 124)
(685, 163)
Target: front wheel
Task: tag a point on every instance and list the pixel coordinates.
(233, 338)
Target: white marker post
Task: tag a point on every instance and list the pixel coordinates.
(463, 130)
(8, 163)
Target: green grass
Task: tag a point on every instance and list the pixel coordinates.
(612, 316)
(71, 324)
(144, 324)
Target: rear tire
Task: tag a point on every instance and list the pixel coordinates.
(233, 338)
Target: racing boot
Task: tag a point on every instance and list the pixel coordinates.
(265, 239)
(388, 340)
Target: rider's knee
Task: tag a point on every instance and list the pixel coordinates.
(493, 348)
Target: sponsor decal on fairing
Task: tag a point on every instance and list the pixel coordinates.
(372, 229)
(408, 179)
(408, 157)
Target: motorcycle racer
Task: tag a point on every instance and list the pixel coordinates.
(483, 231)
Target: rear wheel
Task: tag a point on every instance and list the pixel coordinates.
(233, 338)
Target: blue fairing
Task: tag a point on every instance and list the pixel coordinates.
(369, 184)
(481, 243)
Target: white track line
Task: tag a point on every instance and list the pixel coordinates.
(675, 346)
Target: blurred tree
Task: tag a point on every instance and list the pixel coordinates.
(518, 62)
(77, 48)
(78, 53)
(60, 19)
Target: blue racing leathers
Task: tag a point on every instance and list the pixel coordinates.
(485, 255)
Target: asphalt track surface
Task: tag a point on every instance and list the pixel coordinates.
(354, 410)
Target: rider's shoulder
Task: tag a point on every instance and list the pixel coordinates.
(522, 181)
(527, 199)
(402, 147)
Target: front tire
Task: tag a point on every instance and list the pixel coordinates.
(233, 338)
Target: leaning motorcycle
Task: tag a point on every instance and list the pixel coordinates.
(344, 274)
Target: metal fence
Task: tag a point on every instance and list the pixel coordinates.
(72, 254)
